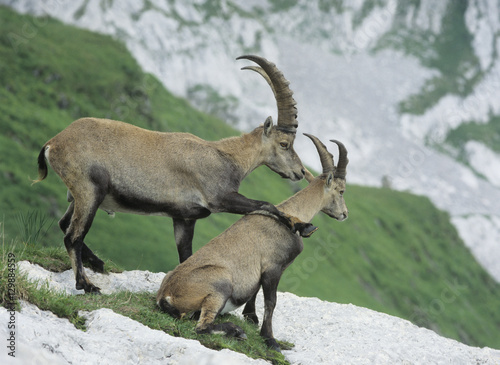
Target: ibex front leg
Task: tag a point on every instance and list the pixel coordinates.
(270, 282)
(183, 233)
(239, 204)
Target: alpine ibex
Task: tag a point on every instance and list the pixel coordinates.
(229, 270)
(119, 167)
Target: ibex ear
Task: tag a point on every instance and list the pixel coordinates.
(268, 125)
(329, 180)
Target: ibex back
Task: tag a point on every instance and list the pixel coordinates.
(119, 167)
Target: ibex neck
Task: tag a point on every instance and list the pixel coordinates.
(306, 203)
(244, 150)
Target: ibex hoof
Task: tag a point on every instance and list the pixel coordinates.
(89, 288)
(228, 328)
(305, 229)
(273, 345)
(99, 267)
(233, 330)
(96, 265)
(251, 317)
(94, 290)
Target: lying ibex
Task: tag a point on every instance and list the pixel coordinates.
(229, 270)
(119, 167)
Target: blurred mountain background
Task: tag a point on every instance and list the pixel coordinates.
(409, 87)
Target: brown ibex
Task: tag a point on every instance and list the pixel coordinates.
(229, 270)
(119, 167)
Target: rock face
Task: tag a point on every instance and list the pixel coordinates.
(323, 333)
(110, 339)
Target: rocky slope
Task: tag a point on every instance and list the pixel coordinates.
(323, 333)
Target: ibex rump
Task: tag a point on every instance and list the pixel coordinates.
(119, 167)
(229, 270)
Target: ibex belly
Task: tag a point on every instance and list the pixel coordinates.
(192, 208)
(242, 292)
(234, 303)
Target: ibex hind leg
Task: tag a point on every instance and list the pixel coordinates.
(249, 310)
(168, 308)
(211, 307)
(85, 207)
(88, 257)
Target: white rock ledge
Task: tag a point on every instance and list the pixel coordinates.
(323, 333)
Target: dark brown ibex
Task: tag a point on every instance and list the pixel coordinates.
(229, 270)
(119, 167)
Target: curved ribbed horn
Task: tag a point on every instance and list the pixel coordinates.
(287, 111)
(325, 157)
(340, 171)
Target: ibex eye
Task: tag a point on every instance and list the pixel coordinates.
(284, 144)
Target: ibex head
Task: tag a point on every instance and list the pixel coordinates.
(334, 177)
(278, 140)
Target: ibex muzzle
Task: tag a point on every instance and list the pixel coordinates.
(119, 167)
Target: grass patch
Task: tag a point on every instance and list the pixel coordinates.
(140, 307)
(54, 259)
(33, 226)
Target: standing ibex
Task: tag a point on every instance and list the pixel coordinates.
(119, 167)
(229, 270)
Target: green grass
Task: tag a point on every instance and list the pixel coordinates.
(33, 226)
(396, 253)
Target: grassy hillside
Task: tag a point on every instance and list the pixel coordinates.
(397, 253)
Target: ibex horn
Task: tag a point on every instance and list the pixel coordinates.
(340, 171)
(325, 157)
(287, 110)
